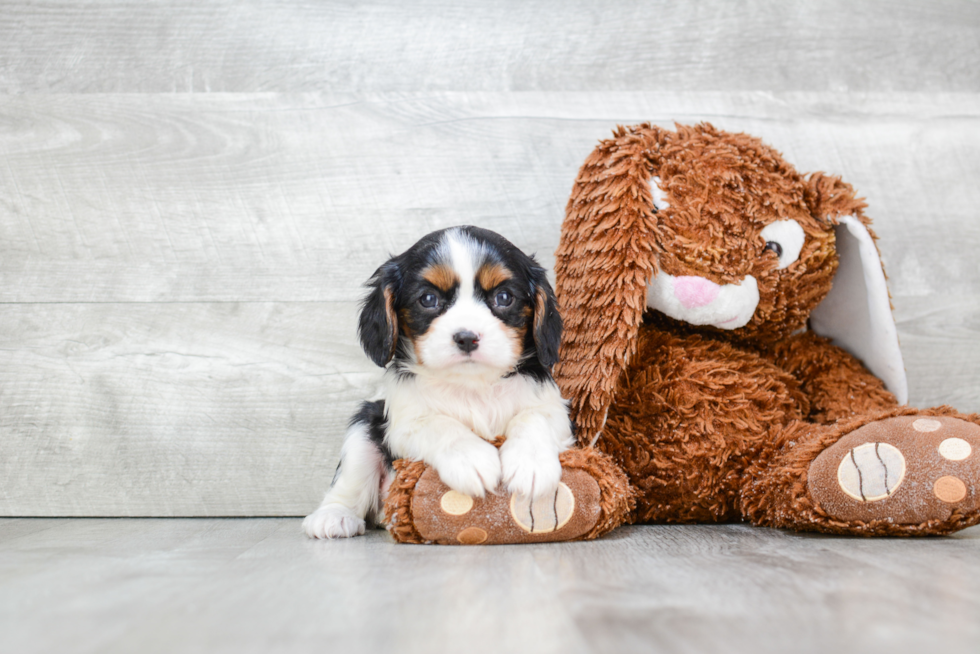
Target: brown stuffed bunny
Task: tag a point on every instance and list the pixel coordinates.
(729, 341)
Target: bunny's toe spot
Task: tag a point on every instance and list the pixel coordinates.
(949, 489)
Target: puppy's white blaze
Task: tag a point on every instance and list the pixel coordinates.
(733, 306)
(465, 256)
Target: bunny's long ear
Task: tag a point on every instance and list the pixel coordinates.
(604, 259)
(857, 315)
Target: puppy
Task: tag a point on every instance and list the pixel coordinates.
(468, 328)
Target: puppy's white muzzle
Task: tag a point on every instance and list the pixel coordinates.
(490, 345)
(700, 301)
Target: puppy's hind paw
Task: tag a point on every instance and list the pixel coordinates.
(333, 521)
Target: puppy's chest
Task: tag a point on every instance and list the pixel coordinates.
(486, 410)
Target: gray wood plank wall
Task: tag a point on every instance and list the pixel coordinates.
(191, 195)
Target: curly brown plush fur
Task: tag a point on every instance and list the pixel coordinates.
(712, 424)
(775, 491)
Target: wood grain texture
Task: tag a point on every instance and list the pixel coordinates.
(179, 272)
(175, 409)
(264, 45)
(134, 198)
(940, 338)
(257, 585)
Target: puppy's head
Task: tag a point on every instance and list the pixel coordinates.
(464, 300)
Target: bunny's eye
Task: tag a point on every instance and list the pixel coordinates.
(785, 238)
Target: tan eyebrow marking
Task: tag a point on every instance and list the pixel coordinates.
(441, 276)
(491, 275)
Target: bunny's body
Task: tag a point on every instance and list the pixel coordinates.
(709, 292)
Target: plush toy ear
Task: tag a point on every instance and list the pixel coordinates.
(856, 315)
(547, 323)
(604, 259)
(378, 324)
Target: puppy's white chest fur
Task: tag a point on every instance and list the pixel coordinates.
(448, 421)
(486, 408)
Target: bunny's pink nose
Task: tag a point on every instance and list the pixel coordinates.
(695, 292)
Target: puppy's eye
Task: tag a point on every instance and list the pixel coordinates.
(775, 247)
(429, 301)
(503, 299)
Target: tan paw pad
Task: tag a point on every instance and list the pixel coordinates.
(471, 536)
(955, 449)
(926, 425)
(903, 470)
(455, 503)
(548, 513)
(871, 472)
(949, 489)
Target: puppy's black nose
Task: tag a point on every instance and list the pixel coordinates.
(466, 341)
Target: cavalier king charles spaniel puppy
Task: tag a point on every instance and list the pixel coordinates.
(467, 327)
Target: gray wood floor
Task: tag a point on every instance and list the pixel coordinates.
(191, 194)
(254, 585)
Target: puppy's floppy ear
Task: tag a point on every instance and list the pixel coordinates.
(378, 325)
(547, 324)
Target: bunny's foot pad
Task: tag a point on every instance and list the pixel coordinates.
(592, 498)
(906, 470)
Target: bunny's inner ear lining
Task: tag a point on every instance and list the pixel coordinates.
(856, 315)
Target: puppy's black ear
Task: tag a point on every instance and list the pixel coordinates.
(547, 321)
(378, 325)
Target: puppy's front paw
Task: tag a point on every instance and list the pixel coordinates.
(529, 470)
(470, 467)
(333, 521)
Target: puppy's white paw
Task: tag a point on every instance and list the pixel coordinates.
(529, 470)
(333, 521)
(471, 467)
